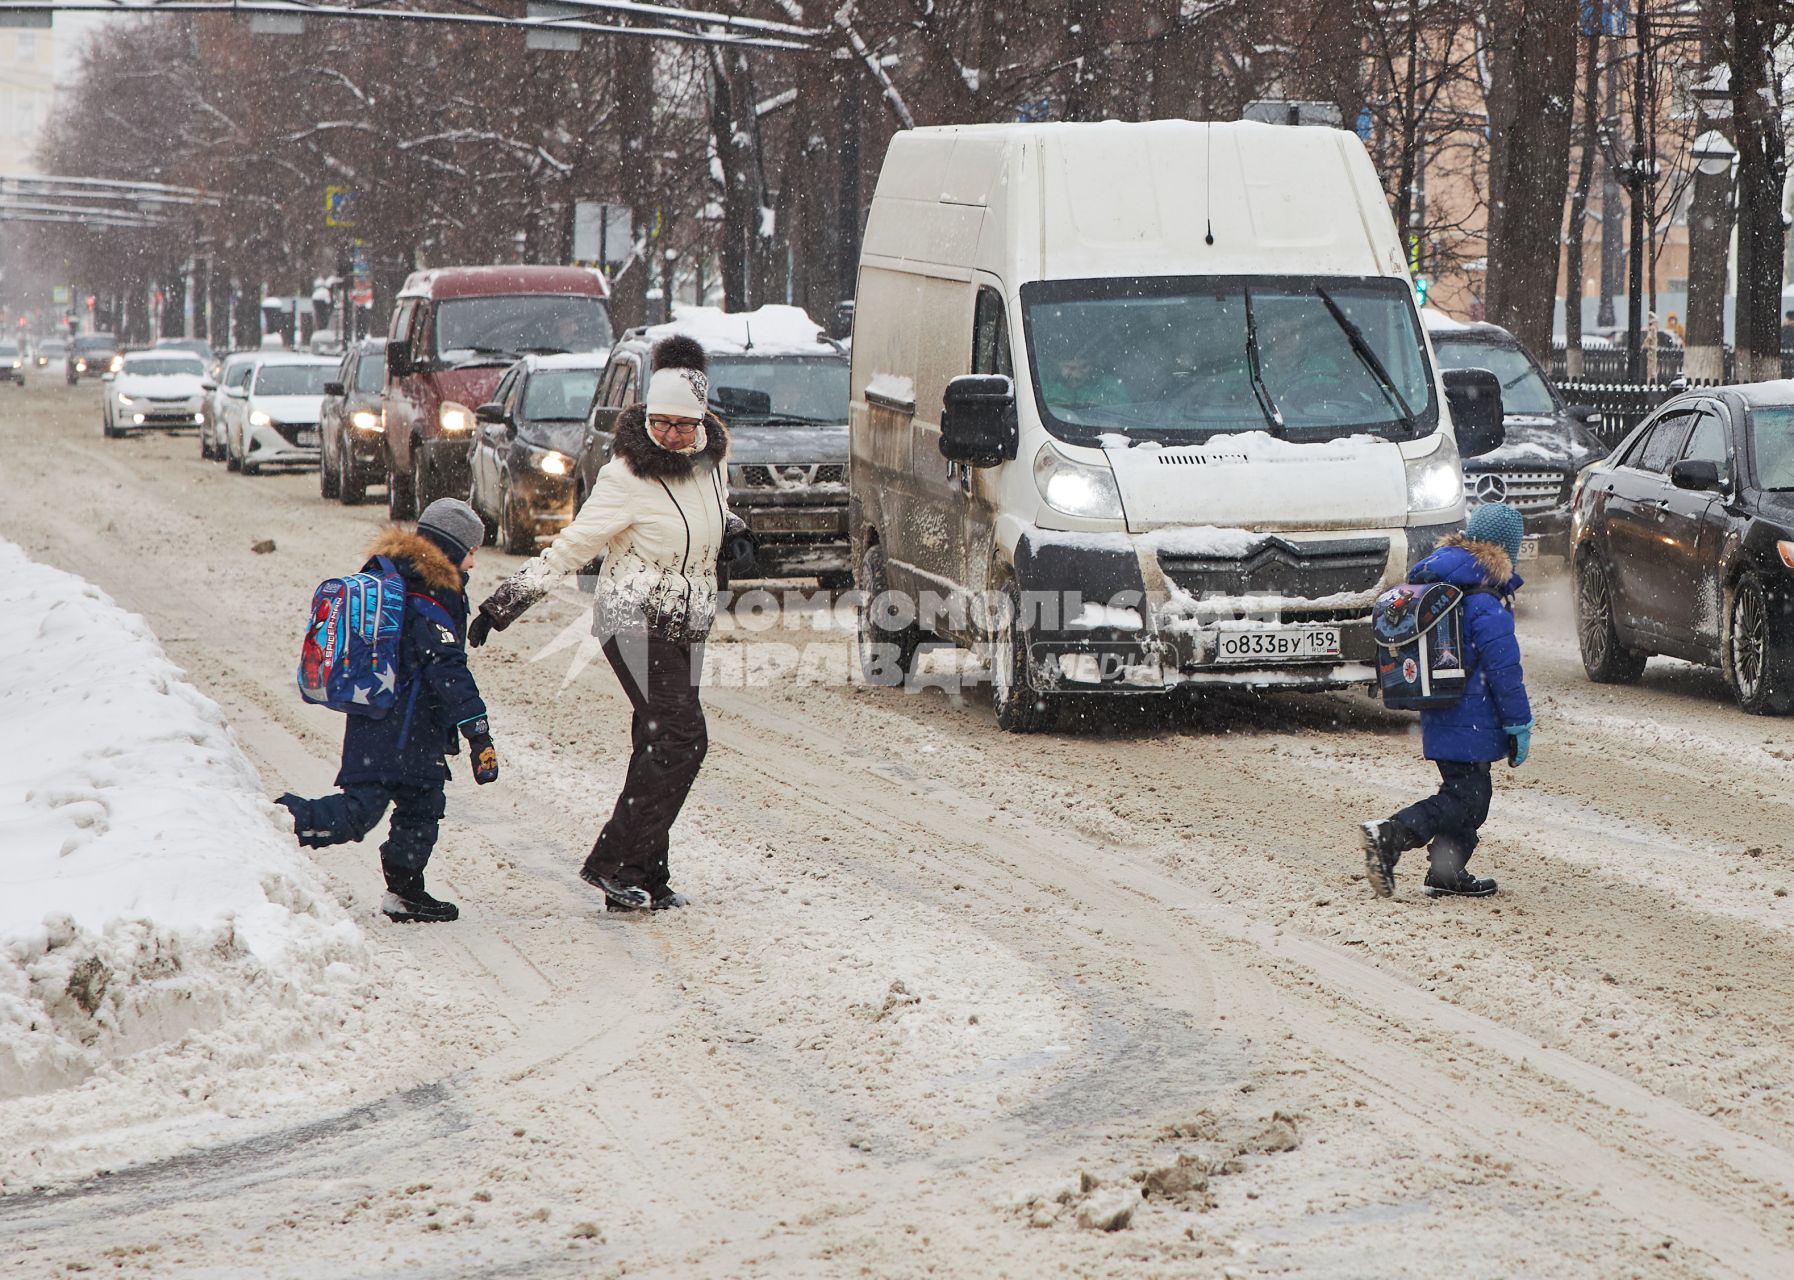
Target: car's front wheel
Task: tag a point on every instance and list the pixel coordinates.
(351, 486)
(328, 475)
(514, 539)
(401, 502)
(1605, 657)
(1759, 648)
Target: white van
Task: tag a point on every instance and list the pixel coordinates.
(1158, 392)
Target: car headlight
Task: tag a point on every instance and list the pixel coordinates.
(1436, 480)
(118, 362)
(80, 366)
(18, 364)
(258, 418)
(366, 420)
(125, 401)
(1786, 551)
(1076, 488)
(555, 464)
(454, 416)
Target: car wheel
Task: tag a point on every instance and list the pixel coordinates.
(1605, 657)
(351, 488)
(1758, 656)
(1020, 706)
(513, 538)
(887, 640)
(401, 502)
(327, 476)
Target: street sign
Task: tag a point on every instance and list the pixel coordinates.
(339, 207)
(59, 295)
(602, 233)
(362, 295)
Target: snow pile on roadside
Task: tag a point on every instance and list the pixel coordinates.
(157, 923)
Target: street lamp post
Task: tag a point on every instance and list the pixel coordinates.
(1709, 229)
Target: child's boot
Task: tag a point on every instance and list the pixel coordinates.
(406, 901)
(1447, 877)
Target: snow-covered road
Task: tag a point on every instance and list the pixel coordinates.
(949, 1000)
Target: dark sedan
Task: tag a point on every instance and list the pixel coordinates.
(522, 457)
(1683, 544)
(351, 426)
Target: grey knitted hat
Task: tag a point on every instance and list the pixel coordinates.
(454, 526)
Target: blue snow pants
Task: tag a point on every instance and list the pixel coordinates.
(347, 816)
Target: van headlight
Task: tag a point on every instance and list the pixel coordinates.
(1076, 488)
(454, 416)
(1436, 479)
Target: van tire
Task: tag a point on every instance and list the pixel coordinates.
(886, 653)
(1020, 707)
(401, 503)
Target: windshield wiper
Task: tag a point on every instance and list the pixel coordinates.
(1273, 418)
(542, 351)
(1366, 356)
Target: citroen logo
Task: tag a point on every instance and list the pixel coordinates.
(1491, 488)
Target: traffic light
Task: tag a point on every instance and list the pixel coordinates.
(1420, 287)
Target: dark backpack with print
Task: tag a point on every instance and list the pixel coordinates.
(1419, 629)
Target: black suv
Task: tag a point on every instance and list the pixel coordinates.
(1683, 544)
(1547, 441)
(782, 386)
(90, 356)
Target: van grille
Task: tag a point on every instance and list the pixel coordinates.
(1280, 567)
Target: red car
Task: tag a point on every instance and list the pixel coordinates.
(455, 330)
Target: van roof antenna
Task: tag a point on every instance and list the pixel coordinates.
(1208, 182)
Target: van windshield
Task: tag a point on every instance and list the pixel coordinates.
(779, 388)
(1181, 359)
(520, 323)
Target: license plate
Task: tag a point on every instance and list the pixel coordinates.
(1278, 644)
(308, 439)
(797, 521)
(1529, 548)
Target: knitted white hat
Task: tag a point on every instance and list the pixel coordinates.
(680, 392)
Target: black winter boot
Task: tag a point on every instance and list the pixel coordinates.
(617, 896)
(407, 903)
(1446, 876)
(669, 899)
(1383, 845)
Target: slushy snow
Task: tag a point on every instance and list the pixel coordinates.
(161, 935)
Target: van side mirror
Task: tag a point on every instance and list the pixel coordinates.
(334, 389)
(1475, 399)
(398, 358)
(1697, 474)
(978, 423)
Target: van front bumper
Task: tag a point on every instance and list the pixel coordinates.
(1120, 613)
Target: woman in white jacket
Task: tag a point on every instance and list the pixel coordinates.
(659, 517)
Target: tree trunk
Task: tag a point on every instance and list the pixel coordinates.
(1533, 54)
(1761, 169)
(1585, 174)
(736, 138)
(632, 60)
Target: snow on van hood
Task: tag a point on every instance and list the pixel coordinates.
(1255, 481)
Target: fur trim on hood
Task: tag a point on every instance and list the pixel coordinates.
(631, 442)
(429, 561)
(1497, 568)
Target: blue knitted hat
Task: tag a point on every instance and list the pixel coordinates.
(1498, 523)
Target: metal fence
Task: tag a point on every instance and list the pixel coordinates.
(1622, 405)
(1609, 363)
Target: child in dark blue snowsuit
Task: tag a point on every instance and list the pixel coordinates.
(400, 760)
(1493, 720)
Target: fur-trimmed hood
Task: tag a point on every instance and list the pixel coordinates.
(427, 560)
(631, 442)
(1496, 569)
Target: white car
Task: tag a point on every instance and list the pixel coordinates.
(234, 372)
(162, 389)
(273, 414)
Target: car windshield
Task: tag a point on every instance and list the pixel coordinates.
(1180, 359)
(520, 323)
(8, 352)
(559, 395)
(1523, 387)
(293, 379)
(166, 368)
(1772, 445)
(370, 374)
(96, 342)
(193, 345)
(52, 349)
(790, 388)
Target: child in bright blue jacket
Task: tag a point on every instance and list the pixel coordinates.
(1493, 720)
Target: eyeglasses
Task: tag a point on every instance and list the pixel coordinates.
(661, 423)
